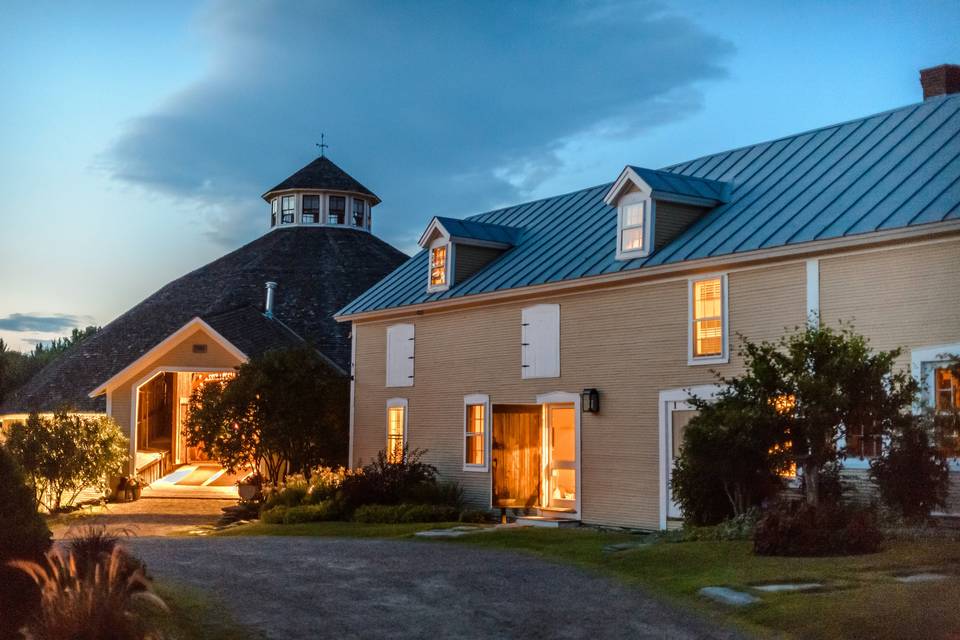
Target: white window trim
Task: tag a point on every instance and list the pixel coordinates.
(440, 242)
(724, 356)
(396, 402)
(478, 399)
(565, 397)
(647, 201)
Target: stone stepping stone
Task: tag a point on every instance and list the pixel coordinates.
(788, 586)
(454, 532)
(624, 546)
(729, 597)
(921, 577)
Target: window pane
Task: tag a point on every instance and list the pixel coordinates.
(475, 418)
(632, 239)
(438, 266)
(358, 210)
(311, 209)
(287, 208)
(395, 434)
(708, 337)
(475, 449)
(633, 215)
(947, 389)
(338, 208)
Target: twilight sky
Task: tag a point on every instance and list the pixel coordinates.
(136, 138)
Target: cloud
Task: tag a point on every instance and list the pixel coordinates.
(439, 107)
(54, 323)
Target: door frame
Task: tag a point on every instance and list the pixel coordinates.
(563, 397)
(667, 398)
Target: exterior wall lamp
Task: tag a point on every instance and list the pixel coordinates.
(590, 401)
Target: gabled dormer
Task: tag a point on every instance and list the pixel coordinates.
(654, 207)
(457, 249)
(321, 194)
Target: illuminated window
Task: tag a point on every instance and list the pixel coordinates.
(946, 390)
(359, 209)
(311, 210)
(338, 210)
(708, 319)
(476, 415)
(288, 207)
(633, 228)
(438, 266)
(274, 210)
(396, 429)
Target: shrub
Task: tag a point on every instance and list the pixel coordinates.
(274, 515)
(104, 604)
(66, 454)
(912, 475)
(288, 496)
(380, 513)
(311, 513)
(325, 482)
(740, 527)
(430, 513)
(23, 536)
(92, 546)
(802, 529)
(475, 516)
(438, 493)
(384, 482)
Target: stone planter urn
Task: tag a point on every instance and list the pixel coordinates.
(247, 491)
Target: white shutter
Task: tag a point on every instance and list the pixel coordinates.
(540, 341)
(400, 349)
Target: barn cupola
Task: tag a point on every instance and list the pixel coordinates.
(323, 194)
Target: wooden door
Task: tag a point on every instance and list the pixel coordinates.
(516, 455)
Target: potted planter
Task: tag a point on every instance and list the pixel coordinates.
(249, 487)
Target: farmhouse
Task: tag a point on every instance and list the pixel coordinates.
(543, 353)
(278, 291)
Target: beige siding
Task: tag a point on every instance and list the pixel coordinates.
(672, 218)
(907, 297)
(469, 259)
(630, 343)
(180, 355)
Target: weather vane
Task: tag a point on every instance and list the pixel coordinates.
(323, 145)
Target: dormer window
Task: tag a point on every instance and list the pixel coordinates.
(359, 212)
(439, 267)
(274, 211)
(634, 220)
(311, 210)
(288, 208)
(338, 210)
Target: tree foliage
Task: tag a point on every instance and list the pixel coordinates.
(17, 368)
(66, 453)
(286, 411)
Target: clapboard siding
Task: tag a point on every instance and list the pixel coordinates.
(470, 259)
(672, 219)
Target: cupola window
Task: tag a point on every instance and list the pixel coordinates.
(359, 210)
(274, 210)
(311, 210)
(338, 210)
(288, 208)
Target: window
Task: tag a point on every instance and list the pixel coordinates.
(439, 277)
(274, 210)
(288, 207)
(476, 416)
(311, 210)
(540, 341)
(400, 352)
(634, 216)
(946, 388)
(396, 429)
(338, 207)
(359, 209)
(708, 320)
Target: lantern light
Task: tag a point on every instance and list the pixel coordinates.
(590, 401)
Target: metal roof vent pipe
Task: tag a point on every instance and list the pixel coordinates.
(268, 307)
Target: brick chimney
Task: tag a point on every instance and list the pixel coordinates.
(940, 81)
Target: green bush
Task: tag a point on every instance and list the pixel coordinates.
(440, 493)
(380, 513)
(273, 515)
(386, 482)
(430, 513)
(23, 536)
(311, 513)
(912, 475)
(291, 496)
(475, 516)
(802, 529)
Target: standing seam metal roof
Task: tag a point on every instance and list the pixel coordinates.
(890, 170)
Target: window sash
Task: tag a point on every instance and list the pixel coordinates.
(396, 417)
(707, 321)
(632, 218)
(288, 207)
(311, 210)
(438, 266)
(338, 209)
(359, 210)
(274, 210)
(475, 431)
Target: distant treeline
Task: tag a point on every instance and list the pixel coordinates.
(16, 368)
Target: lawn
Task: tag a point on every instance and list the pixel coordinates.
(194, 615)
(860, 598)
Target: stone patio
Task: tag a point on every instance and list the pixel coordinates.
(145, 517)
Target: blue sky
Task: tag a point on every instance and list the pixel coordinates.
(135, 138)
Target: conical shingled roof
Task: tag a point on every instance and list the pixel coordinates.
(317, 269)
(323, 174)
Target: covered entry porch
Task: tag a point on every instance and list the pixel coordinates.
(535, 459)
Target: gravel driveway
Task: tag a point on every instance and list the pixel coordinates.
(343, 588)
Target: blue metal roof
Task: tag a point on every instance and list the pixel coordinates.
(895, 169)
(474, 230)
(668, 182)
